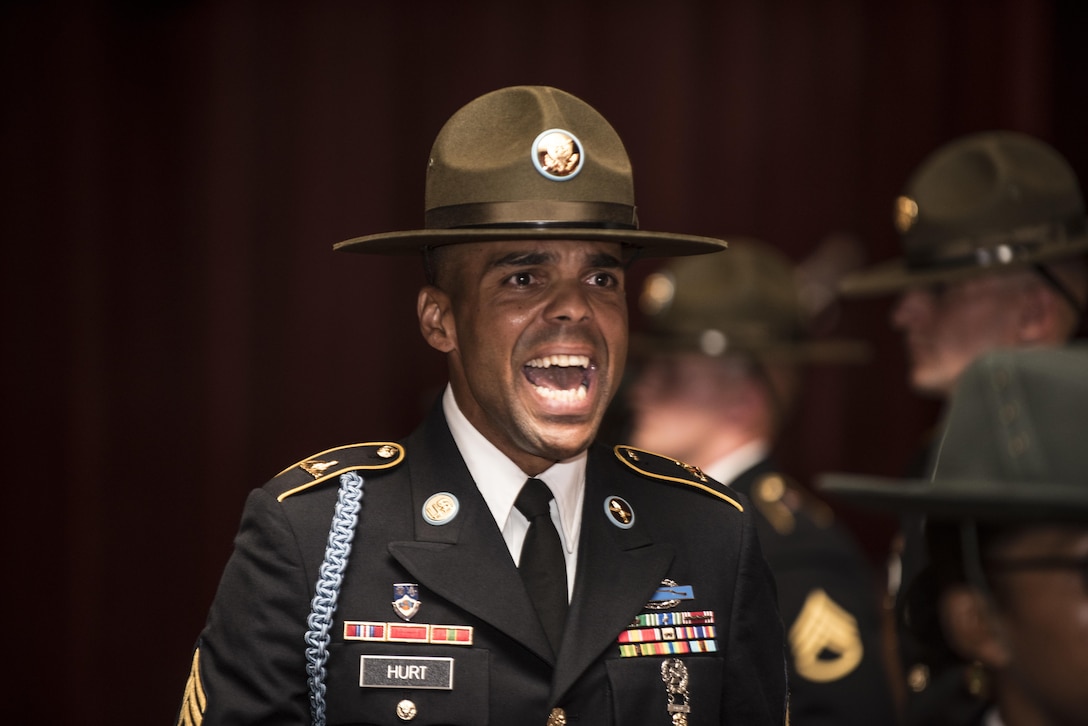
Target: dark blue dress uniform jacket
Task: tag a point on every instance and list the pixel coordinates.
(249, 665)
(828, 598)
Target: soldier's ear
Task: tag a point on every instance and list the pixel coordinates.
(972, 627)
(1037, 314)
(436, 319)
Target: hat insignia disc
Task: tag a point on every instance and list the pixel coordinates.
(558, 154)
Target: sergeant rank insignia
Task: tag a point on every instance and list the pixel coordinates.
(406, 599)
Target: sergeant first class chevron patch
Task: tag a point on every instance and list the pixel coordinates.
(664, 468)
(825, 640)
(194, 700)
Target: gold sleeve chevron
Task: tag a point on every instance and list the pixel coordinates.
(657, 466)
(194, 701)
(824, 639)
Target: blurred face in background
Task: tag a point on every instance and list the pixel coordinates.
(694, 407)
(1035, 641)
(946, 326)
(1043, 613)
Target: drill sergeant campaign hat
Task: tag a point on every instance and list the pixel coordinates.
(983, 203)
(529, 162)
(750, 301)
(1012, 445)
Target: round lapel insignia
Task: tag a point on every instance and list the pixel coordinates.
(558, 154)
(619, 512)
(440, 508)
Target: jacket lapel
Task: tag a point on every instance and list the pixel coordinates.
(464, 561)
(618, 571)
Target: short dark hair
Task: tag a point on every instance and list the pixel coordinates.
(433, 263)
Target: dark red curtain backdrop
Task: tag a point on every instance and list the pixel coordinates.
(177, 328)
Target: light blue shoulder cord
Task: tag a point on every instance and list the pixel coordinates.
(327, 591)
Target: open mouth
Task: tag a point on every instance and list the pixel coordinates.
(560, 377)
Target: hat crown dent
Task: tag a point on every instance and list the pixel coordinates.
(483, 154)
(1017, 421)
(750, 296)
(1011, 445)
(491, 177)
(987, 185)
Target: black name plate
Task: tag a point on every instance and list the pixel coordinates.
(384, 671)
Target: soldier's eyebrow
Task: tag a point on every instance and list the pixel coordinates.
(605, 260)
(527, 259)
(523, 259)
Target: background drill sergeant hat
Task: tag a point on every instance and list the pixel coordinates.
(485, 181)
(749, 302)
(1012, 445)
(984, 202)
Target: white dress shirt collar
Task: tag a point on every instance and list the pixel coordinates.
(740, 460)
(499, 479)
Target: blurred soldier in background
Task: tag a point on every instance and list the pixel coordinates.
(717, 374)
(993, 232)
(1005, 597)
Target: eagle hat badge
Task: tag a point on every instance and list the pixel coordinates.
(558, 154)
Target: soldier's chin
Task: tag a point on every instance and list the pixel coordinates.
(558, 442)
(930, 384)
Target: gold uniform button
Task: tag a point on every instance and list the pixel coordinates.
(918, 678)
(406, 710)
(558, 717)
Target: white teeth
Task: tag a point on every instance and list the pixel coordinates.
(574, 394)
(562, 361)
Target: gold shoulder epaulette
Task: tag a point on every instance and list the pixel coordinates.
(667, 469)
(330, 464)
(780, 500)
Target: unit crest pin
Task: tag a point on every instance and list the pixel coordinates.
(406, 599)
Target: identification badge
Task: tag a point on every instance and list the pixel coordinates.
(390, 671)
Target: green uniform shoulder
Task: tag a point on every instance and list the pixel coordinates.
(331, 463)
(664, 468)
(782, 501)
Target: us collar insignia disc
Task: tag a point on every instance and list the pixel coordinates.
(406, 599)
(440, 508)
(558, 154)
(619, 512)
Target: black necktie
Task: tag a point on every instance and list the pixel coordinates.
(543, 567)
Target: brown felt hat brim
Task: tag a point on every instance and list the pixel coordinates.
(894, 276)
(649, 244)
(957, 498)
